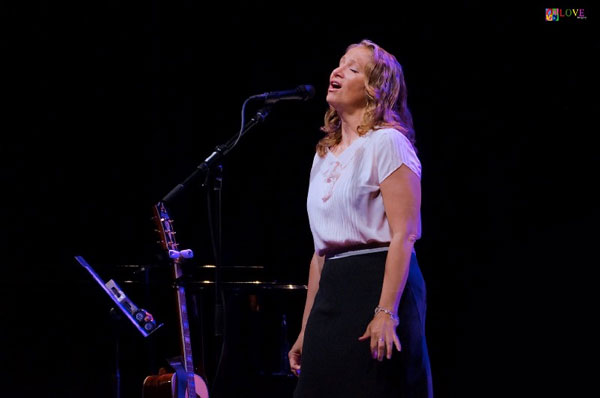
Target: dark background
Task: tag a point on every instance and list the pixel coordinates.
(108, 106)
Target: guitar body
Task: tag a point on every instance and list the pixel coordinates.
(165, 386)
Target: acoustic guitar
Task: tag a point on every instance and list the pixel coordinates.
(183, 382)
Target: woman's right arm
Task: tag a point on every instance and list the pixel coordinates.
(314, 275)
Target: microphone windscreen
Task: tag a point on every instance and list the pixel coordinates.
(309, 90)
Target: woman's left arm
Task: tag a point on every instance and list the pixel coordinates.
(401, 192)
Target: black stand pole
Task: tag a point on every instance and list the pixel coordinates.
(116, 324)
(219, 300)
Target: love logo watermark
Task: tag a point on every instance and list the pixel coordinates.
(556, 14)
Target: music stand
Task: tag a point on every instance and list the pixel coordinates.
(140, 318)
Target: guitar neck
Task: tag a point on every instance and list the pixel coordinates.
(184, 329)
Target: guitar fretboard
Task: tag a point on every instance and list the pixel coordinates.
(185, 338)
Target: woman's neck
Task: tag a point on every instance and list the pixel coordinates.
(350, 123)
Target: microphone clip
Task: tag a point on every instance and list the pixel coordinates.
(262, 113)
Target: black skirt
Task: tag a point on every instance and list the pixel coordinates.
(335, 363)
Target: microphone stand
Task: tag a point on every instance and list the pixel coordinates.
(212, 167)
(219, 152)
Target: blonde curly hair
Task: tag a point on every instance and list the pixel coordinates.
(386, 101)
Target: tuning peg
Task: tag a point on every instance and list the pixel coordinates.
(187, 253)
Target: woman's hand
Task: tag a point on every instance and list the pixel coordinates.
(382, 331)
(295, 354)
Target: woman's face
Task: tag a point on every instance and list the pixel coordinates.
(348, 81)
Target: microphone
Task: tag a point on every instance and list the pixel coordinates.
(302, 93)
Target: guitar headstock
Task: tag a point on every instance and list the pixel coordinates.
(164, 226)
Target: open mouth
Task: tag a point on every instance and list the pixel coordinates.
(335, 85)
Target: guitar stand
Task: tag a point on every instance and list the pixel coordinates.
(116, 319)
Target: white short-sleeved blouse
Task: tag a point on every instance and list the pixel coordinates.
(345, 207)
